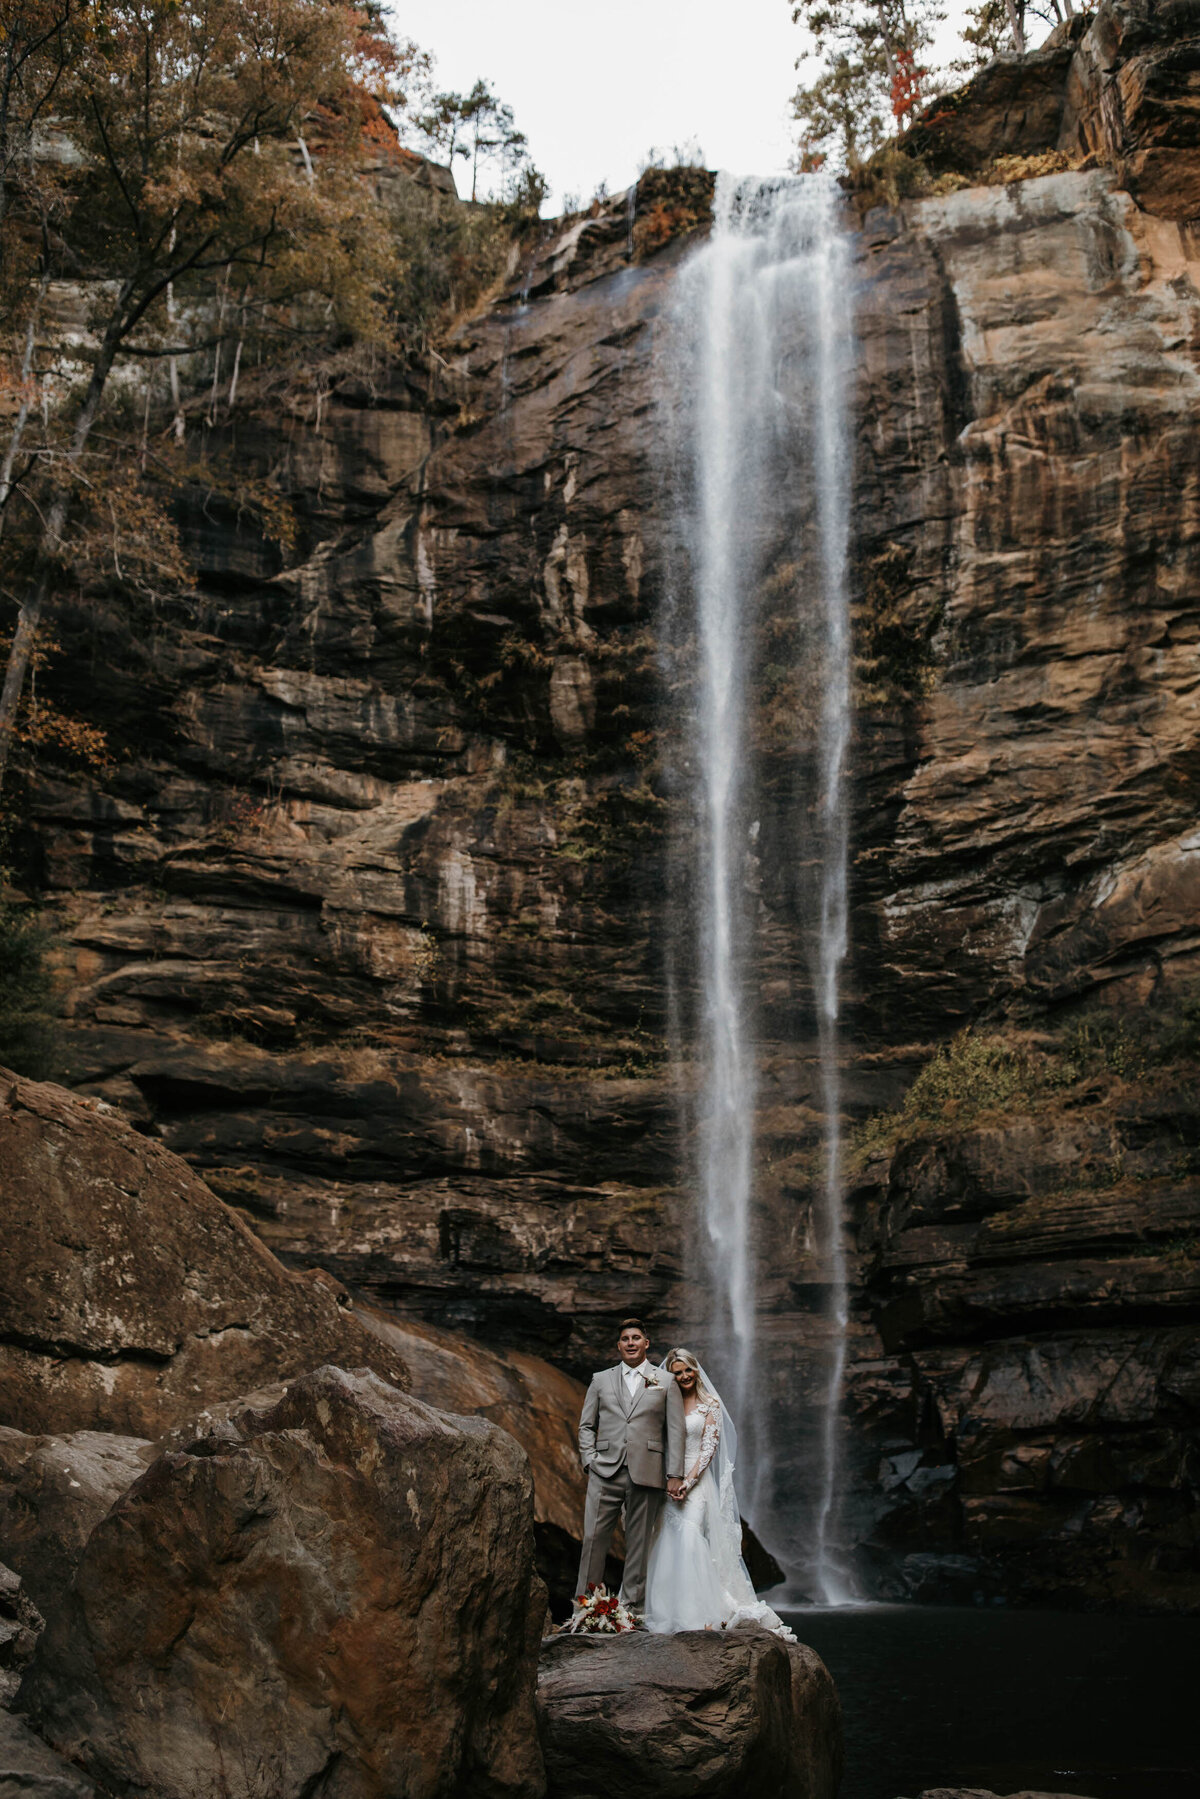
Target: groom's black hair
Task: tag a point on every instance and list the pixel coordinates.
(634, 1324)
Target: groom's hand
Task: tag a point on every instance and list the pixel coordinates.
(675, 1488)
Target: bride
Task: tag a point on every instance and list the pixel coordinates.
(696, 1578)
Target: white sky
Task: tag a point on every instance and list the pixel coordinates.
(595, 85)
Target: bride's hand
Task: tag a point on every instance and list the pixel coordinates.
(676, 1488)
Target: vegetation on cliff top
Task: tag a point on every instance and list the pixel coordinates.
(869, 68)
(869, 75)
(218, 196)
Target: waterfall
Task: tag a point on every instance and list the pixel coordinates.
(760, 336)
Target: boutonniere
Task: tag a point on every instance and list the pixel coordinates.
(652, 1380)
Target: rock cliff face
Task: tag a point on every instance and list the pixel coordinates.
(1034, 862)
(370, 924)
(366, 927)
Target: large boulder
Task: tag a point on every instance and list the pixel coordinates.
(336, 1595)
(537, 1404)
(701, 1715)
(53, 1490)
(1131, 101)
(131, 1295)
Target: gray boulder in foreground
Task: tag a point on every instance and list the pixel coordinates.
(20, 1626)
(53, 1491)
(702, 1715)
(334, 1596)
(28, 1770)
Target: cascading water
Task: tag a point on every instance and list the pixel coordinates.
(761, 339)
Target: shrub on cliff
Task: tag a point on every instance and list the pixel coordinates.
(26, 988)
(450, 255)
(980, 1072)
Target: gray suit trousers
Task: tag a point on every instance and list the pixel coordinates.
(602, 1508)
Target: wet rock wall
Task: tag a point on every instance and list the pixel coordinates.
(376, 925)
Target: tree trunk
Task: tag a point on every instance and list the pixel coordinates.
(233, 379)
(18, 429)
(889, 54)
(22, 647)
(173, 370)
(52, 535)
(1017, 24)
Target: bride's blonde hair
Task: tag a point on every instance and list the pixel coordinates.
(689, 1361)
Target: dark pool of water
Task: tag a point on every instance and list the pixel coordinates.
(1008, 1700)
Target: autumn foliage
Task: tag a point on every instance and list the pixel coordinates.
(906, 85)
(201, 175)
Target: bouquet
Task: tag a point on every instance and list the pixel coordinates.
(600, 1611)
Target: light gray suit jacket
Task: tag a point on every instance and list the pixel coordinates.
(647, 1434)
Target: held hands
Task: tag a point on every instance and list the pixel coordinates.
(676, 1488)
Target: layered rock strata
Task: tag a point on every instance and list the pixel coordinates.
(1029, 1287)
(391, 978)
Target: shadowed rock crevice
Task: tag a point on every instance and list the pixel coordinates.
(63, 1351)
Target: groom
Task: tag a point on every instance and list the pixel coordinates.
(631, 1443)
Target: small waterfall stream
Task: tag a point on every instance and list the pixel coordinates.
(761, 338)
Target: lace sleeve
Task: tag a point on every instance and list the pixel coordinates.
(709, 1438)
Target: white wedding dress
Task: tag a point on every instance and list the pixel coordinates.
(696, 1578)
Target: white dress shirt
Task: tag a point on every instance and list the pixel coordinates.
(633, 1378)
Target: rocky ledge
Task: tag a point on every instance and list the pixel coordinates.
(129, 1294)
(701, 1715)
